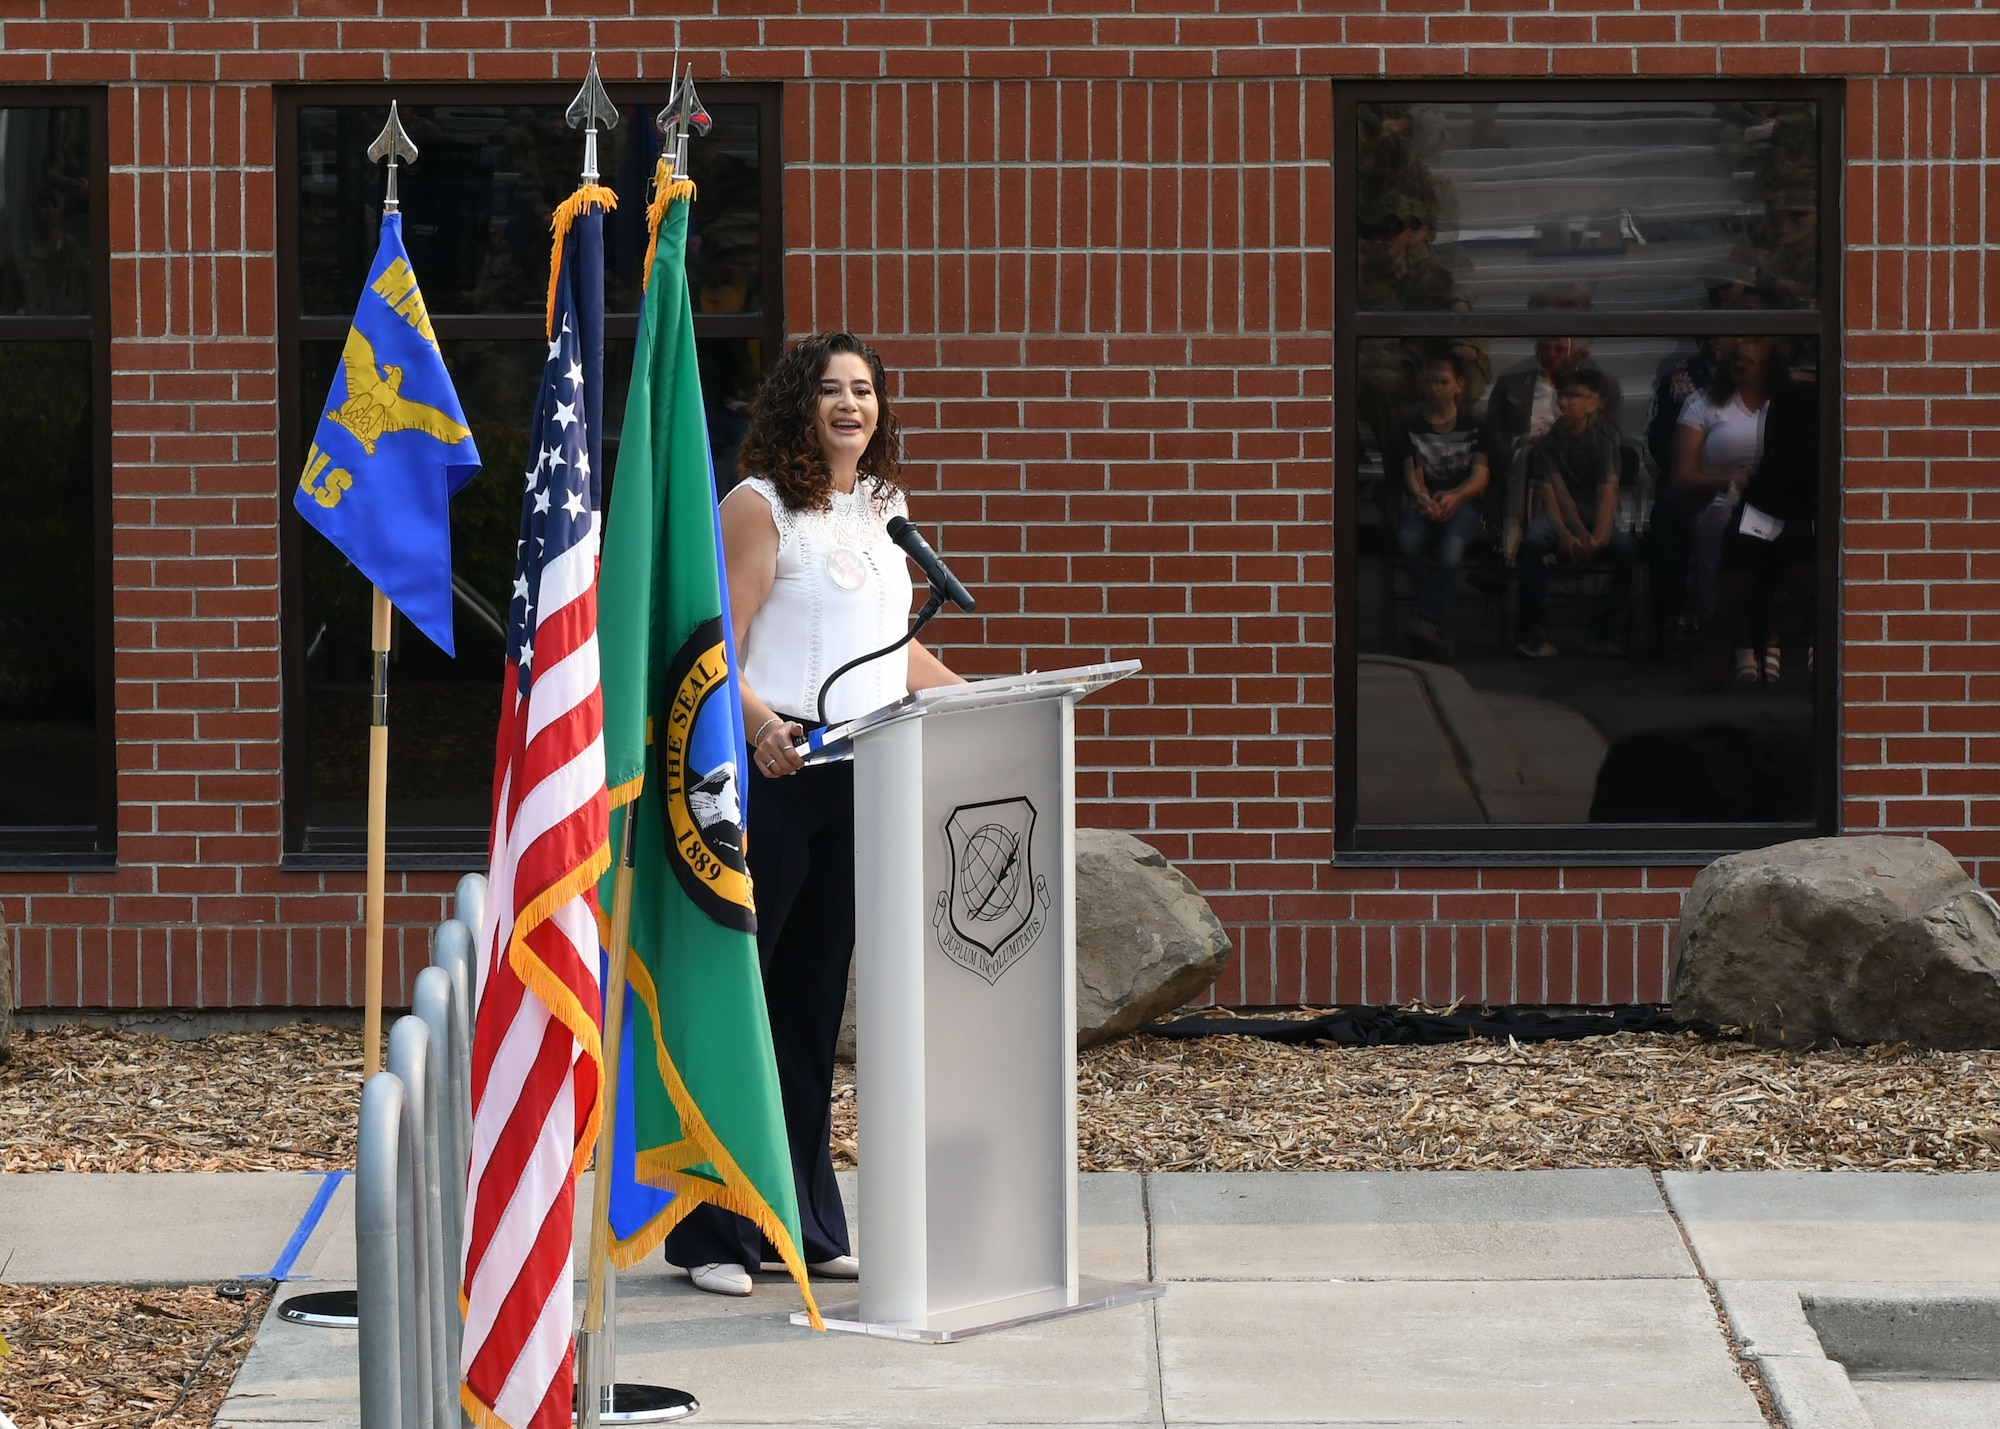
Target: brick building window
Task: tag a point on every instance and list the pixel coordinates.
(476, 205)
(1586, 378)
(58, 799)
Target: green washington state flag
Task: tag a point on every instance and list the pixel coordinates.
(707, 1121)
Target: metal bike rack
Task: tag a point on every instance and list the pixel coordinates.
(392, 1274)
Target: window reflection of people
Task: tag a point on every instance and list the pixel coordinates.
(729, 378)
(1523, 408)
(728, 283)
(1784, 145)
(1398, 269)
(50, 272)
(1573, 472)
(1769, 548)
(1674, 506)
(1789, 268)
(1717, 444)
(1444, 473)
(814, 581)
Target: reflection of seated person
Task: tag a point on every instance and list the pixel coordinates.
(1444, 471)
(1769, 550)
(50, 273)
(1573, 472)
(1521, 410)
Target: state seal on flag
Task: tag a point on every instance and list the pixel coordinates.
(703, 808)
(997, 906)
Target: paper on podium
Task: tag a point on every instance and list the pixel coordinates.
(836, 741)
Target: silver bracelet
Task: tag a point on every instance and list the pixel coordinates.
(758, 738)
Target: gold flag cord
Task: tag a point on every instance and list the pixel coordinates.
(666, 188)
(567, 212)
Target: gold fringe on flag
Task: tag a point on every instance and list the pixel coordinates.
(567, 212)
(668, 1168)
(666, 188)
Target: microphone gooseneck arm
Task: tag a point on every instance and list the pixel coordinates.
(931, 607)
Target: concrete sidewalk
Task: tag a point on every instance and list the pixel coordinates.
(1579, 1299)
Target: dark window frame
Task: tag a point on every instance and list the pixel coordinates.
(77, 846)
(445, 847)
(1357, 843)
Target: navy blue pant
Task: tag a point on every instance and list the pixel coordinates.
(800, 848)
(1542, 540)
(1417, 537)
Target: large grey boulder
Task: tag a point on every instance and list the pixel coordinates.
(1851, 940)
(1146, 941)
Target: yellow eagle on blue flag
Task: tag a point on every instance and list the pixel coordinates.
(375, 402)
(392, 447)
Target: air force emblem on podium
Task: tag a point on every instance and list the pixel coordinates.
(997, 905)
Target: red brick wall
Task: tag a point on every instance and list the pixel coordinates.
(1097, 247)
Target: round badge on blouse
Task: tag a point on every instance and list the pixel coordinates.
(846, 569)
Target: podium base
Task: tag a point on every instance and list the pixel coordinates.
(952, 1325)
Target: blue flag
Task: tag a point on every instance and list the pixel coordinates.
(392, 447)
(637, 1210)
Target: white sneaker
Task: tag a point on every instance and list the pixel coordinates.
(720, 1279)
(841, 1267)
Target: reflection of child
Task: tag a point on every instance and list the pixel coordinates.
(1444, 471)
(1573, 472)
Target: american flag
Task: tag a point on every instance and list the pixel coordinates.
(536, 1053)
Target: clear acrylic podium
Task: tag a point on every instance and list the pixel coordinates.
(965, 971)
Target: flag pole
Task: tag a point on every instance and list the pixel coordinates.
(378, 826)
(598, 1265)
(595, 1375)
(596, 1353)
(392, 143)
(599, 1393)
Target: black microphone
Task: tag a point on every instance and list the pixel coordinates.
(935, 571)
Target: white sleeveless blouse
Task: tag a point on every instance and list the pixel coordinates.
(842, 589)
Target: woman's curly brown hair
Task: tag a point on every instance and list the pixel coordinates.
(782, 445)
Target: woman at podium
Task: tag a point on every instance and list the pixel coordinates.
(814, 582)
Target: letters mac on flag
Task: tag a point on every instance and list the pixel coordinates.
(392, 447)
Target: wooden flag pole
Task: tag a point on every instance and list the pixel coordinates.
(378, 830)
(391, 144)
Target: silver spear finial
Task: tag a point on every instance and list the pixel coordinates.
(664, 120)
(591, 107)
(687, 112)
(392, 143)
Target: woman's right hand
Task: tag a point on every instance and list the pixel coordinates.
(774, 755)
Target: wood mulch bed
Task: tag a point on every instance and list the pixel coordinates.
(78, 1098)
(112, 1357)
(88, 1099)
(1669, 1102)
